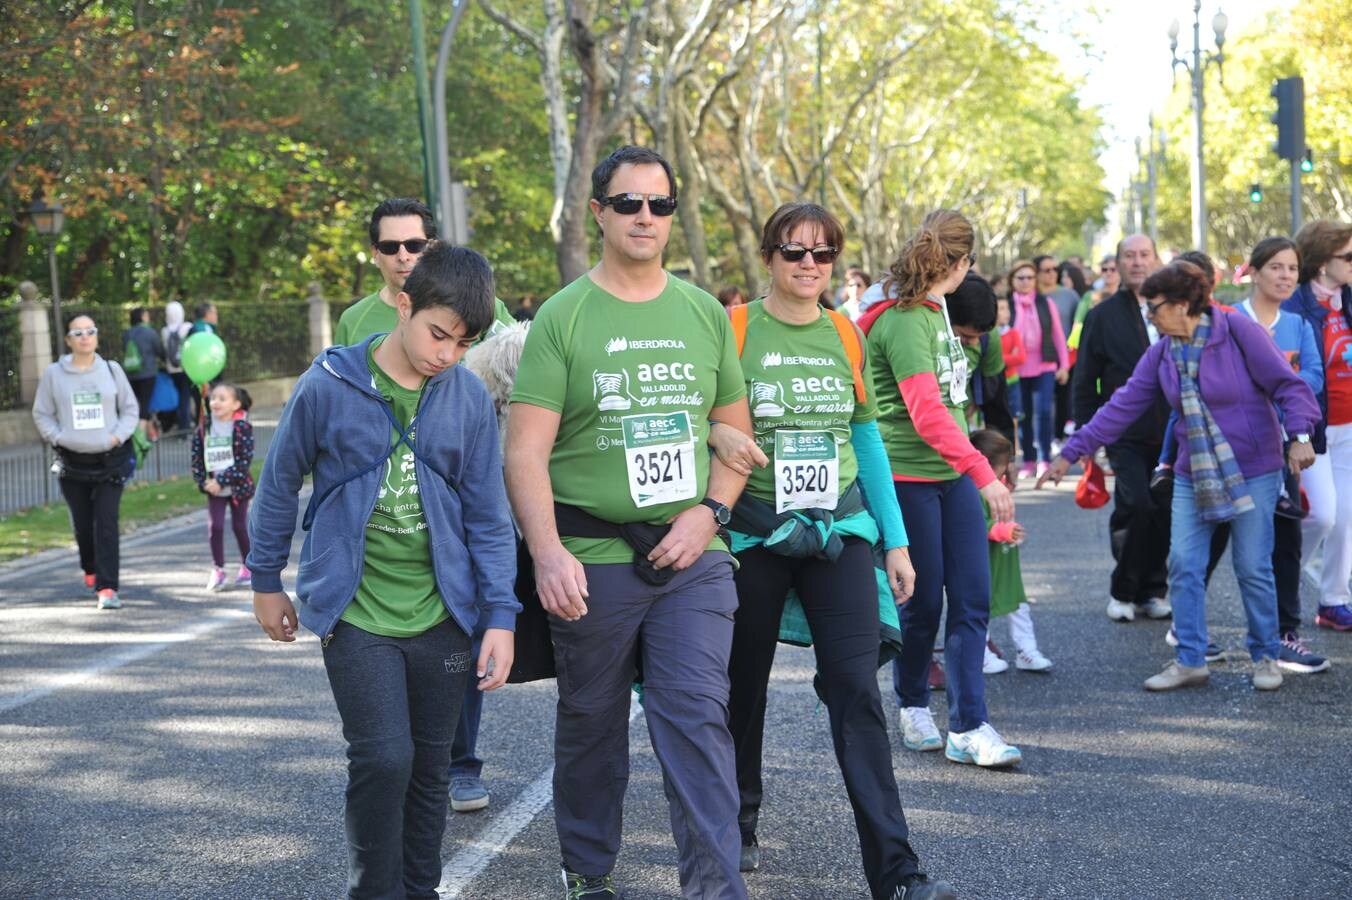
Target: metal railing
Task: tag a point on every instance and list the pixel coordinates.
(27, 479)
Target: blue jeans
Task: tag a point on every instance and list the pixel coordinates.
(1038, 395)
(1251, 552)
(947, 528)
(399, 699)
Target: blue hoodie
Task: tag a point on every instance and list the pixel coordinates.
(334, 426)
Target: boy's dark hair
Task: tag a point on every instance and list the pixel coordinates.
(972, 303)
(245, 401)
(456, 278)
(200, 310)
(402, 206)
(992, 444)
(138, 314)
(627, 156)
(1201, 261)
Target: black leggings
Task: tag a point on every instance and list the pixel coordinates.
(840, 600)
(93, 514)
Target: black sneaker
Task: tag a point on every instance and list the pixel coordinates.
(750, 860)
(920, 887)
(1213, 651)
(588, 887)
(1288, 509)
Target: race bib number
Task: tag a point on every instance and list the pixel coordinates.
(807, 470)
(950, 366)
(659, 458)
(87, 410)
(219, 452)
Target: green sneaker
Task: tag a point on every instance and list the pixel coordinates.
(588, 887)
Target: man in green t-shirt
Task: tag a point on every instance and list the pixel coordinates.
(620, 502)
(401, 229)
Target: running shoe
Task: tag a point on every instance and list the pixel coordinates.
(89, 583)
(1158, 608)
(1119, 611)
(468, 793)
(1028, 470)
(1339, 617)
(1213, 651)
(983, 747)
(1032, 660)
(1294, 656)
(992, 664)
(918, 731)
(1041, 469)
(750, 858)
(1176, 675)
(216, 579)
(920, 887)
(588, 887)
(1267, 675)
(243, 577)
(108, 599)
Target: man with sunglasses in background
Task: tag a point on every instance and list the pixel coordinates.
(621, 505)
(401, 229)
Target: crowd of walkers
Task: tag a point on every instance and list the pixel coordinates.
(649, 488)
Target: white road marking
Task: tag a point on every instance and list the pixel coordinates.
(51, 684)
(461, 870)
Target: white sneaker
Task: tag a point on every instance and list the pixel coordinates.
(1119, 611)
(918, 731)
(1032, 661)
(216, 579)
(982, 746)
(993, 665)
(1158, 608)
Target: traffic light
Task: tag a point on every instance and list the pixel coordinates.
(1289, 117)
(1307, 161)
(1255, 193)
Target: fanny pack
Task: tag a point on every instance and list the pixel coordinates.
(640, 536)
(799, 533)
(113, 466)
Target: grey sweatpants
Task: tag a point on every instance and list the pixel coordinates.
(684, 633)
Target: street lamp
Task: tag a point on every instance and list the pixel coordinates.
(49, 220)
(1197, 69)
(1154, 159)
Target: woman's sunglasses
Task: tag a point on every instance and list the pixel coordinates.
(631, 203)
(413, 245)
(822, 254)
(91, 331)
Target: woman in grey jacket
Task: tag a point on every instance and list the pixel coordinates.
(85, 408)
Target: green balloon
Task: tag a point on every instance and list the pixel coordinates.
(203, 357)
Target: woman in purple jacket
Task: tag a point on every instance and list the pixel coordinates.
(1223, 374)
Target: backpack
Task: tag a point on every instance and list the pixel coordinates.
(173, 348)
(849, 339)
(132, 363)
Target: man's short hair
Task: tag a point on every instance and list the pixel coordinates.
(458, 279)
(1037, 261)
(972, 304)
(631, 156)
(200, 310)
(1118, 255)
(403, 206)
(138, 314)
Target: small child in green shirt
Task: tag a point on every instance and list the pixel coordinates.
(1007, 594)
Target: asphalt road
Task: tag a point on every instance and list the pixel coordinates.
(170, 750)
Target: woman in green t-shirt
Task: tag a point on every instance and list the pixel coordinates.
(920, 372)
(801, 528)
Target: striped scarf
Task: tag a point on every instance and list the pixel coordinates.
(1218, 485)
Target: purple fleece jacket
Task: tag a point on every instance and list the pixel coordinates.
(1242, 374)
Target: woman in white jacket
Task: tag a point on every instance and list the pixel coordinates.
(85, 408)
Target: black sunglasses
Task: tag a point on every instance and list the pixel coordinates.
(412, 245)
(822, 254)
(630, 203)
(1345, 257)
(1151, 309)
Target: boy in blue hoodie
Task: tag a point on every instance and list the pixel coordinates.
(409, 546)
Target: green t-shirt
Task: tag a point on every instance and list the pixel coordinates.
(992, 362)
(798, 377)
(644, 375)
(1007, 591)
(371, 315)
(398, 594)
(906, 342)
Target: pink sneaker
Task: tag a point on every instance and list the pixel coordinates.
(1028, 470)
(216, 580)
(243, 576)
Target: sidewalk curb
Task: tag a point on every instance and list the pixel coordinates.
(47, 557)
